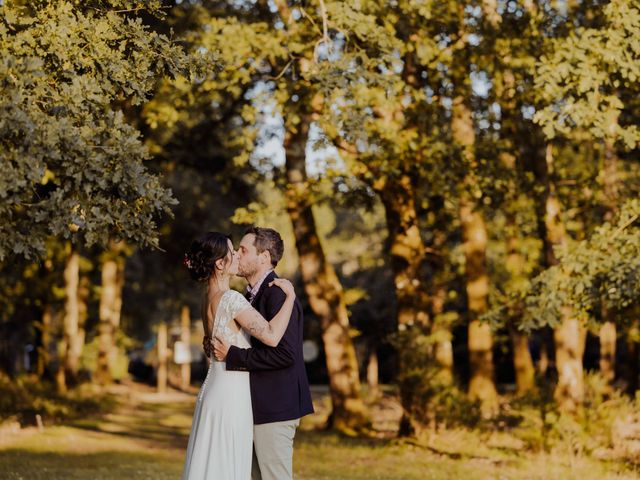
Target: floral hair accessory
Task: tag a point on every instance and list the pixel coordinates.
(186, 261)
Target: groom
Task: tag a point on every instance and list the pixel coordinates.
(279, 387)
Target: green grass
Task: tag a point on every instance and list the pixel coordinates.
(21, 464)
(146, 437)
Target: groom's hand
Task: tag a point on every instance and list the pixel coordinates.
(220, 348)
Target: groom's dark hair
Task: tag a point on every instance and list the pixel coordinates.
(267, 239)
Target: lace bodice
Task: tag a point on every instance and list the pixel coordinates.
(230, 305)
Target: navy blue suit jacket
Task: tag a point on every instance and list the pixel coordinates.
(279, 385)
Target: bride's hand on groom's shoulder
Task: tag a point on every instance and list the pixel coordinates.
(285, 285)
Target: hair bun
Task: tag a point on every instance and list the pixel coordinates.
(203, 254)
(199, 266)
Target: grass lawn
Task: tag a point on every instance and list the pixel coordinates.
(146, 437)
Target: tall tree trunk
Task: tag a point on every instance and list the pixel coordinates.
(84, 290)
(607, 332)
(480, 342)
(185, 338)
(109, 313)
(633, 360)
(44, 330)
(407, 251)
(608, 336)
(372, 370)
(523, 363)
(569, 340)
(511, 128)
(163, 359)
(44, 341)
(522, 360)
(70, 361)
(443, 347)
(324, 290)
(474, 234)
(569, 336)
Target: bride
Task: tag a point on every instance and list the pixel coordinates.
(221, 439)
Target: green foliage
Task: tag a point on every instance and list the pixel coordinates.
(383, 94)
(601, 271)
(583, 77)
(72, 166)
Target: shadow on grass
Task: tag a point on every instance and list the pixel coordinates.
(165, 426)
(107, 465)
(320, 437)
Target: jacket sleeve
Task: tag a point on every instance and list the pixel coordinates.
(269, 358)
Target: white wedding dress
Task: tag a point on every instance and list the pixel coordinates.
(221, 440)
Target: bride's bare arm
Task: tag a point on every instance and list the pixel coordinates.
(271, 332)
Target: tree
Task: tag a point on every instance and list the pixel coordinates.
(586, 83)
(265, 61)
(72, 167)
(324, 291)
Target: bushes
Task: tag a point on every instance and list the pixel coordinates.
(607, 425)
(27, 396)
(429, 397)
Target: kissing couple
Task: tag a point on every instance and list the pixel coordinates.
(256, 389)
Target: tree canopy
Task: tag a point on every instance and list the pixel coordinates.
(73, 164)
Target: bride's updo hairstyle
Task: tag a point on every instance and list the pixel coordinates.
(203, 254)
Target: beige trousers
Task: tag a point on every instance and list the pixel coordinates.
(273, 450)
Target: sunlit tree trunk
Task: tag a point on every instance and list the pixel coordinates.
(569, 340)
(70, 361)
(480, 342)
(633, 361)
(84, 290)
(474, 234)
(523, 363)
(44, 341)
(511, 130)
(407, 251)
(45, 330)
(372, 370)
(522, 360)
(608, 334)
(443, 347)
(163, 358)
(109, 313)
(324, 291)
(569, 336)
(185, 337)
